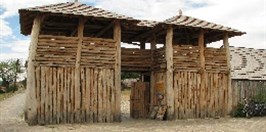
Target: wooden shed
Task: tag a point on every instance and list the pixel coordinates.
(248, 73)
(76, 59)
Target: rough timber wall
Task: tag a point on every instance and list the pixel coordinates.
(199, 95)
(58, 99)
(135, 59)
(244, 88)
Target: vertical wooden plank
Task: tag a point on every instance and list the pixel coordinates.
(100, 94)
(83, 93)
(54, 95)
(87, 95)
(112, 76)
(117, 38)
(95, 97)
(108, 103)
(31, 102)
(38, 92)
(73, 95)
(77, 69)
(67, 91)
(169, 72)
(58, 96)
(203, 72)
(104, 109)
(43, 91)
(152, 81)
(227, 50)
(91, 95)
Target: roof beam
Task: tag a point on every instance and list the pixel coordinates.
(145, 34)
(104, 29)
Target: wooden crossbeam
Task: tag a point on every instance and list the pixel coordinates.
(104, 29)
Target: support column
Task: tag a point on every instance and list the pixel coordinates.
(227, 50)
(169, 73)
(152, 82)
(30, 104)
(117, 38)
(203, 73)
(77, 70)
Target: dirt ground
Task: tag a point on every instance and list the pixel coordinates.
(11, 120)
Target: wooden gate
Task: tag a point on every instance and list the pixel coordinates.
(140, 100)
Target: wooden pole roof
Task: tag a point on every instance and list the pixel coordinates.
(189, 25)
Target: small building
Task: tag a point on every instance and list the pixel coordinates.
(248, 70)
(75, 63)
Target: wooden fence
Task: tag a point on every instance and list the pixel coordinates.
(191, 101)
(58, 98)
(247, 89)
(199, 93)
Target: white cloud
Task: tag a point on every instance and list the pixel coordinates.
(19, 49)
(5, 30)
(240, 14)
(11, 6)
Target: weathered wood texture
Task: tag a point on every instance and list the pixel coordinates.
(186, 57)
(56, 95)
(200, 84)
(117, 38)
(135, 59)
(246, 89)
(98, 53)
(169, 72)
(159, 86)
(140, 100)
(215, 59)
(159, 61)
(63, 99)
(62, 51)
(30, 104)
(189, 102)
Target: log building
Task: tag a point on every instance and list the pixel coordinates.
(75, 63)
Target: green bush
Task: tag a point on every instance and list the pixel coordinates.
(261, 96)
(11, 88)
(239, 110)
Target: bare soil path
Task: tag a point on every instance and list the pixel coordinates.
(11, 120)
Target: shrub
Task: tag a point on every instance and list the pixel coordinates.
(239, 110)
(11, 88)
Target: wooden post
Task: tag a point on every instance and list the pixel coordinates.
(169, 73)
(227, 50)
(77, 70)
(203, 72)
(31, 104)
(152, 82)
(142, 45)
(117, 38)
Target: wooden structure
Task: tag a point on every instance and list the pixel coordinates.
(248, 73)
(140, 100)
(75, 61)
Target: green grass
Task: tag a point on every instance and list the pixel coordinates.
(4, 96)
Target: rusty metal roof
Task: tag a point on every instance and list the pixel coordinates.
(76, 8)
(182, 20)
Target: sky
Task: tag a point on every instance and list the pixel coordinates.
(245, 15)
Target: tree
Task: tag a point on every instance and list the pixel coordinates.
(9, 71)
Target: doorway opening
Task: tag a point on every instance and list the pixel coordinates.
(135, 94)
